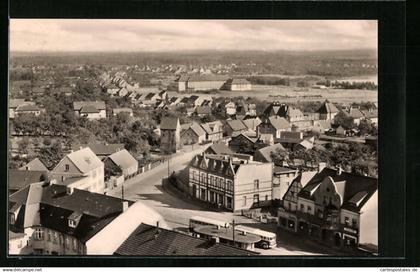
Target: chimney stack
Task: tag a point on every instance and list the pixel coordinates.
(124, 206)
(69, 190)
(339, 170)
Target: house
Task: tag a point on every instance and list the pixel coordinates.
(15, 103)
(238, 84)
(19, 179)
(327, 111)
(251, 122)
(272, 109)
(337, 208)
(245, 144)
(152, 240)
(355, 114)
(92, 110)
(267, 139)
(122, 92)
(34, 165)
(170, 130)
(163, 95)
(18, 243)
(321, 126)
(273, 125)
(234, 127)
(58, 220)
(80, 169)
(214, 131)
(264, 154)
(203, 111)
(124, 161)
(112, 89)
(218, 149)
(27, 109)
(282, 180)
(371, 115)
(340, 131)
(101, 150)
(195, 134)
(229, 182)
(291, 114)
(150, 99)
(230, 108)
(304, 145)
(127, 111)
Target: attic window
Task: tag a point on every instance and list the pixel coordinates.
(72, 223)
(67, 167)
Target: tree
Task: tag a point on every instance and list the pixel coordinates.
(343, 120)
(51, 155)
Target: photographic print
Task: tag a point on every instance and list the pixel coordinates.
(193, 137)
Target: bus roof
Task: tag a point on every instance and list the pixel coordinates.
(209, 220)
(255, 231)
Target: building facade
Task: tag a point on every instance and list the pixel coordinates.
(170, 131)
(230, 183)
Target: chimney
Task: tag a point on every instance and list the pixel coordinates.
(321, 166)
(124, 206)
(339, 170)
(69, 190)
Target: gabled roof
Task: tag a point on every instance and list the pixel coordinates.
(350, 186)
(279, 122)
(19, 179)
(219, 149)
(36, 164)
(353, 113)
(99, 105)
(252, 123)
(89, 109)
(85, 160)
(203, 110)
(197, 129)
(236, 125)
(171, 123)
(148, 240)
(15, 102)
(327, 107)
(123, 159)
(266, 152)
(27, 107)
(210, 127)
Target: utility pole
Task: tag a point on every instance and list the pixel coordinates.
(233, 231)
(122, 191)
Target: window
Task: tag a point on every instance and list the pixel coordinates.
(354, 223)
(256, 184)
(55, 238)
(72, 223)
(74, 244)
(211, 180)
(346, 221)
(12, 218)
(309, 209)
(290, 206)
(256, 199)
(67, 167)
(39, 234)
(244, 200)
(302, 207)
(67, 242)
(49, 236)
(266, 197)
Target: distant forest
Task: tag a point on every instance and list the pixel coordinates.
(320, 63)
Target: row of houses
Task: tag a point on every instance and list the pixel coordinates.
(21, 106)
(86, 167)
(329, 205)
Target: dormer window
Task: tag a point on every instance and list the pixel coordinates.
(72, 223)
(12, 218)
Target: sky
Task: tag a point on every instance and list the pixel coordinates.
(70, 35)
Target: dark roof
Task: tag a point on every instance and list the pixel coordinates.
(219, 149)
(216, 164)
(57, 206)
(327, 107)
(197, 129)
(147, 240)
(19, 179)
(27, 107)
(237, 81)
(279, 122)
(89, 109)
(350, 186)
(169, 123)
(281, 169)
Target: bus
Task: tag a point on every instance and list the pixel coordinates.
(197, 221)
(268, 239)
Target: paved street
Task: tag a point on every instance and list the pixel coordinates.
(147, 188)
